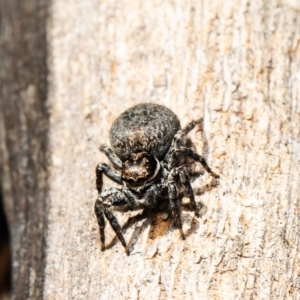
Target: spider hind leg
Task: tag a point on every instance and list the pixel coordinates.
(188, 190)
(175, 207)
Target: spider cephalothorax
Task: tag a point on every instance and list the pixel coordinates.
(147, 147)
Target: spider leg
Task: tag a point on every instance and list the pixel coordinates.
(109, 192)
(132, 198)
(115, 226)
(184, 131)
(171, 157)
(109, 172)
(151, 196)
(198, 158)
(102, 208)
(175, 206)
(101, 222)
(111, 156)
(110, 198)
(188, 190)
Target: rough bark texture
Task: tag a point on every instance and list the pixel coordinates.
(237, 64)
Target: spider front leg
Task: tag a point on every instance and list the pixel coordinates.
(109, 172)
(102, 208)
(111, 156)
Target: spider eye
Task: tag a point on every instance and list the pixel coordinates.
(145, 162)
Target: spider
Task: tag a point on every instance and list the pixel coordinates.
(147, 153)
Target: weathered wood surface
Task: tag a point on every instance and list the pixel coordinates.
(237, 64)
(24, 138)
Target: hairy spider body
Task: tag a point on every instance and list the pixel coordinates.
(147, 147)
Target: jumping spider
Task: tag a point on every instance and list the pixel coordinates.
(148, 151)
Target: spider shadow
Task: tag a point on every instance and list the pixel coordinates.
(153, 218)
(194, 169)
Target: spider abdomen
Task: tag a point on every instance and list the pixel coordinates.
(144, 127)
